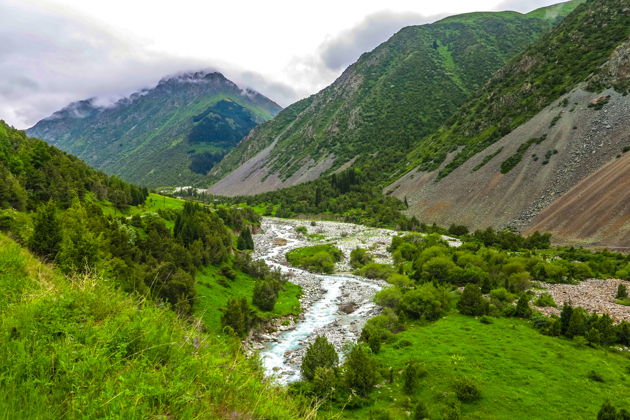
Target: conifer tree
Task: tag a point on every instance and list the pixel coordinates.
(320, 354)
(46, 232)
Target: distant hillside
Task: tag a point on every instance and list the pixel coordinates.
(172, 134)
(33, 172)
(382, 104)
(549, 119)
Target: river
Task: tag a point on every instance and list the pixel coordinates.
(335, 306)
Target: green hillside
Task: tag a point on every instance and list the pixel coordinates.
(548, 69)
(394, 95)
(170, 135)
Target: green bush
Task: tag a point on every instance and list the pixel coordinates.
(318, 258)
(375, 271)
(472, 302)
(545, 300)
(320, 354)
(265, 294)
(359, 257)
(466, 390)
(360, 373)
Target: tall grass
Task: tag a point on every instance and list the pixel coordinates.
(78, 348)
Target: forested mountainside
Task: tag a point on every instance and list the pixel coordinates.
(384, 103)
(172, 134)
(551, 117)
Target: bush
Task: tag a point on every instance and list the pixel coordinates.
(360, 371)
(265, 294)
(237, 317)
(622, 291)
(426, 302)
(324, 381)
(467, 391)
(301, 230)
(359, 257)
(545, 300)
(522, 308)
(420, 411)
(375, 271)
(472, 302)
(318, 258)
(411, 376)
(320, 354)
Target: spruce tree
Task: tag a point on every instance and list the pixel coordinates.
(46, 232)
(360, 370)
(320, 354)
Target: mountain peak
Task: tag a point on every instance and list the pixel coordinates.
(200, 76)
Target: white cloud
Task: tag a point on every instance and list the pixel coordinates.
(53, 52)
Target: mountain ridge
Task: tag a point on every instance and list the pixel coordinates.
(145, 137)
(381, 102)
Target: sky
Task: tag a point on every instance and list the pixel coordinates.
(53, 52)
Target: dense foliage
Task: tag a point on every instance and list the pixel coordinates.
(318, 258)
(33, 172)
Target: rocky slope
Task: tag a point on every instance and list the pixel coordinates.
(554, 119)
(384, 103)
(170, 135)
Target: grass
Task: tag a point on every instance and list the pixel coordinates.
(214, 291)
(522, 374)
(79, 348)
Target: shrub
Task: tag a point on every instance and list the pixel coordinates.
(265, 295)
(245, 240)
(324, 381)
(320, 354)
(318, 258)
(228, 272)
(411, 375)
(472, 302)
(375, 271)
(426, 302)
(359, 257)
(545, 300)
(420, 411)
(522, 308)
(622, 291)
(466, 390)
(237, 317)
(360, 371)
(301, 230)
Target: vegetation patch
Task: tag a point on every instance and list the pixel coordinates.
(318, 258)
(509, 164)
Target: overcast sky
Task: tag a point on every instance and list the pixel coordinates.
(53, 52)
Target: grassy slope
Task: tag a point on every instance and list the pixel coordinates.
(212, 295)
(80, 349)
(522, 373)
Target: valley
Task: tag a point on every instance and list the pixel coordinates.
(432, 222)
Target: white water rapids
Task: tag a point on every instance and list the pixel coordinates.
(323, 298)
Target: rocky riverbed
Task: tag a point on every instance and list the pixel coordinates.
(594, 295)
(335, 306)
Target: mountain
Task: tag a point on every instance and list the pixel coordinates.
(541, 143)
(171, 134)
(382, 104)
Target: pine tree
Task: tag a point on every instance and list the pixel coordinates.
(565, 317)
(522, 308)
(46, 232)
(320, 354)
(360, 370)
(245, 240)
(237, 316)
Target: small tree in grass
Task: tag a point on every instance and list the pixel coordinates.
(411, 376)
(360, 370)
(237, 316)
(320, 354)
(265, 295)
(472, 302)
